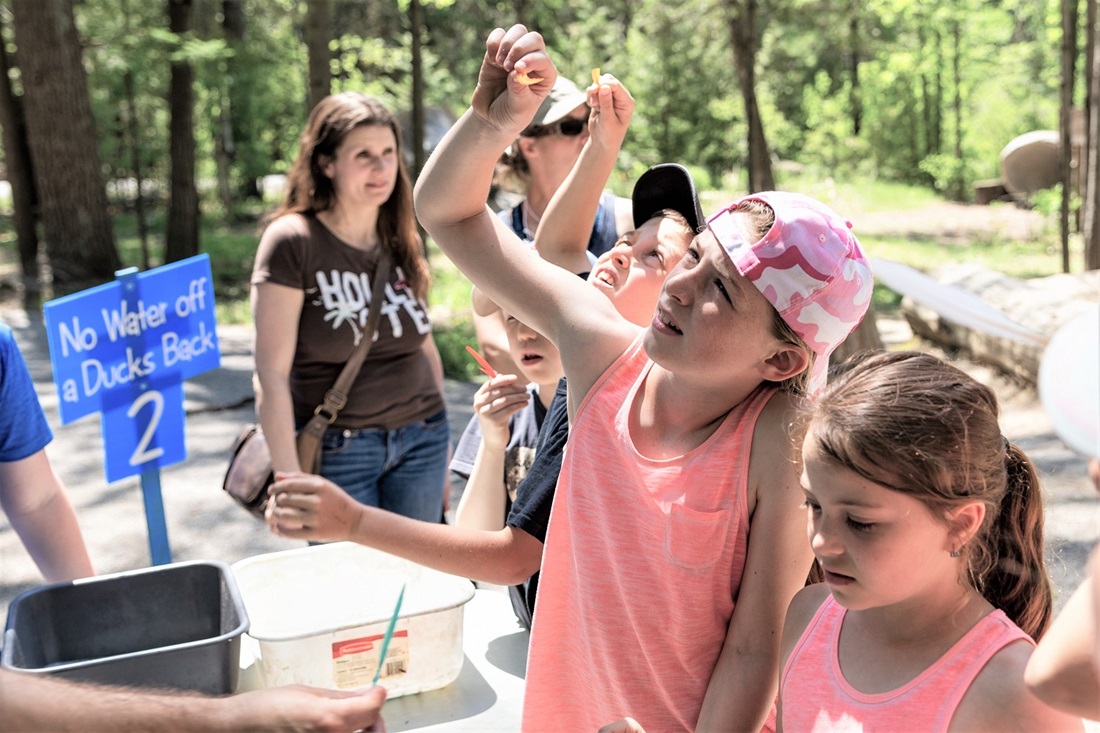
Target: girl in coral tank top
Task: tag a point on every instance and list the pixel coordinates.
(674, 542)
(928, 525)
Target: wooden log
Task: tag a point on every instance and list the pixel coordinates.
(986, 192)
(1040, 304)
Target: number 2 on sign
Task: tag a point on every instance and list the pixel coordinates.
(141, 453)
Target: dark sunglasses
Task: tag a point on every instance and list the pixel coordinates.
(569, 127)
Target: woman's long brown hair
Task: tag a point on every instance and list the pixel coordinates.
(309, 190)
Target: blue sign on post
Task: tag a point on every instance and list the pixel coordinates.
(123, 349)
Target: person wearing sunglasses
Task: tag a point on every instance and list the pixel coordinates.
(569, 127)
(536, 164)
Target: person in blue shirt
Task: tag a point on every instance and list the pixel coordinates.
(31, 494)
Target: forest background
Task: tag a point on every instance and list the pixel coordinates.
(140, 133)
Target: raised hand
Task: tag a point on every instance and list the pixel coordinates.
(502, 98)
(612, 107)
(494, 404)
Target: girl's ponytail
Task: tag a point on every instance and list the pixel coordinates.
(1006, 565)
(915, 424)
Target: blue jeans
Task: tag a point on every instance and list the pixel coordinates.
(401, 470)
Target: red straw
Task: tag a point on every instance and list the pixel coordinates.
(486, 368)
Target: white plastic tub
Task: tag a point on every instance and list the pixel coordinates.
(319, 615)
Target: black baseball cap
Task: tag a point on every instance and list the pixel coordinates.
(666, 186)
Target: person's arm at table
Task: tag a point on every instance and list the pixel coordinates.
(308, 507)
(34, 702)
(39, 510)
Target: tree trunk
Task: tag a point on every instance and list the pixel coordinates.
(225, 150)
(62, 141)
(1069, 64)
(925, 100)
(937, 93)
(742, 19)
(1091, 174)
(17, 157)
(1041, 305)
(318, 32)
(856, 101)
(133, 141)
(956, 73)
(415, 23)
(181, 239)
(1090, 37)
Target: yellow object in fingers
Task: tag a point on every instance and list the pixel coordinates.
(596, 76)
(525, 80)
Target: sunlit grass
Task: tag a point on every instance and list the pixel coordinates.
(1017, 259)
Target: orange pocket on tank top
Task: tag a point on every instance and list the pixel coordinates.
(695, 539)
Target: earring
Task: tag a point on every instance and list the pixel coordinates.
(956, 553)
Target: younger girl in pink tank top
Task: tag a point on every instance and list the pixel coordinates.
(927, 524)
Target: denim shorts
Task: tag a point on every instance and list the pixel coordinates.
(401, 470)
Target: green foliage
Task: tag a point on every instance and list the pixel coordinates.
(945, 170)
(828, 140)
(452, 340)
(676, 59)
(688, 105)
(1049, 202)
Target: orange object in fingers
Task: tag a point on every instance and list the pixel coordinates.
(486, 368)
(596, 76)
(523, 78)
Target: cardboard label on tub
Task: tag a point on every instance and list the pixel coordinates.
(354, 661)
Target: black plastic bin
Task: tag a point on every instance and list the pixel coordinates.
(175, 626)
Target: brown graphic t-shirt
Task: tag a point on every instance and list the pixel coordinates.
(395, 387)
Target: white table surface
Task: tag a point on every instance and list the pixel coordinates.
(488, 694)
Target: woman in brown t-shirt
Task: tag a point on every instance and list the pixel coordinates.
(348, 196)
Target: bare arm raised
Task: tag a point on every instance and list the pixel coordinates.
(563, 232)
(450, 202)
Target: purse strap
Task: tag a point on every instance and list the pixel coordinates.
(309, 438)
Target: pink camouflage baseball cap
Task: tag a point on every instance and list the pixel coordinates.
(809, 266)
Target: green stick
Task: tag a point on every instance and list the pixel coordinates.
(389, 635)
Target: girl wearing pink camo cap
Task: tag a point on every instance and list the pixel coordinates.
(653, 600)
